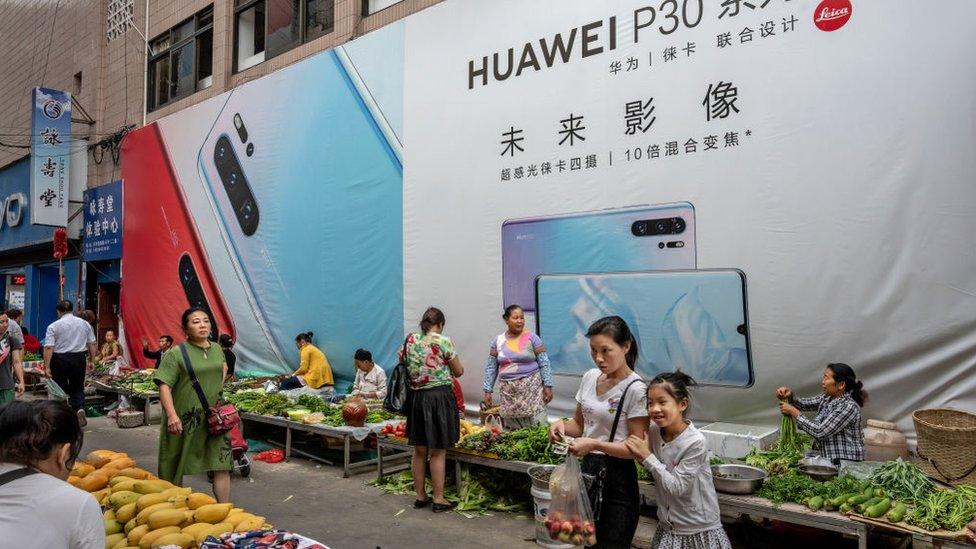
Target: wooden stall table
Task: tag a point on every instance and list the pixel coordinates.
(146, 398)
(733, 507)
(345, 433)
(400, 448)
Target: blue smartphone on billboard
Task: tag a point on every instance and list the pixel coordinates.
(638, 238)
(693, 320)
(300, 170)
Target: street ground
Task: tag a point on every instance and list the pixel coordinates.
(314, 500)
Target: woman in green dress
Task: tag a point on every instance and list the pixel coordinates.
(185, 445)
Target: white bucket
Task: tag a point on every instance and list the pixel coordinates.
(542, 499)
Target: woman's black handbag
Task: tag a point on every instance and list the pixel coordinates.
(398, 386)
(595, 465)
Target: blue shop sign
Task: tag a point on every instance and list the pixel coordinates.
(103, 222)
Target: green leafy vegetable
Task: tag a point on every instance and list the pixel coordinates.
(902, 480)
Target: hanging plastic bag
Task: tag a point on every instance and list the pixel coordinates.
(570, 519)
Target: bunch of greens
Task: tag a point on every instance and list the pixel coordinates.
(795, 487)
(379, 416)
(944, 509)
(246, 400)
(482, 490)
(787, 452)
(272, 405)
(313, 404)
(790, 486)
(904, 481)
(530, 444)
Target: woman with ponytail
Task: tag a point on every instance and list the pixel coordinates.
(836, 430)
(39, 442)
(313, 370)
(611, 405)
(432, 417)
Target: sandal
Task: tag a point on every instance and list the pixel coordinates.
(421, 503)
(442, 507)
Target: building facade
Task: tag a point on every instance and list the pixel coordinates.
(128, 63)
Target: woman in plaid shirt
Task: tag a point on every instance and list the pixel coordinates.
(836, 430)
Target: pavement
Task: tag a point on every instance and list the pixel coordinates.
(315, 501)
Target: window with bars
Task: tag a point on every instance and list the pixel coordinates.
(119, 18)
(266, 28)
(181, 60)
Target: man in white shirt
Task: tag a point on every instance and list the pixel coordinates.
(65, 344)
(370, 378)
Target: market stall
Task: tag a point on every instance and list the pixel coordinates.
(308, 413)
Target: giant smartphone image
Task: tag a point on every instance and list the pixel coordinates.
(308, 191)
(693, 320)
(638, 238)
(162, 244)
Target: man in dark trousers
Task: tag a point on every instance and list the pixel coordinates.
(64, 355)
(165, 342)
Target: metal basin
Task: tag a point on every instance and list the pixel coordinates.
(818, 472)
(737, 479)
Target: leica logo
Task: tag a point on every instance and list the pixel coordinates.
(828, 14)
(831, 15)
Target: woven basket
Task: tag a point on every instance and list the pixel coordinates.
(126, 419)
(947, 444)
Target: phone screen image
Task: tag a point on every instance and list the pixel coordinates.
(637, 238)
(166, 267)
(308, 191)
(692, 320)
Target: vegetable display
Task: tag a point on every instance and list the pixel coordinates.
(903, 480)
(794, 487)
(482, 490)
(944, 509)
(277, 404)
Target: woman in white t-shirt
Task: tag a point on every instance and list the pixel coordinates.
(39, 444)
(602, 424)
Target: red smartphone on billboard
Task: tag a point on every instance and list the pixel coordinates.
(164, 268)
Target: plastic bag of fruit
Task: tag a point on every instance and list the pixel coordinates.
(570, 519)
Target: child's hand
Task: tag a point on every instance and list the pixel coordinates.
(639, 447)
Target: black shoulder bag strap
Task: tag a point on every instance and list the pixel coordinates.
(620, 407)
(16, 474)
(194, 381)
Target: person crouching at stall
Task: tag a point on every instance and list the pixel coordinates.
(518, 358)
(611, 404)
(676, 456)
(313, 370)
(370, 382)
(836, 430)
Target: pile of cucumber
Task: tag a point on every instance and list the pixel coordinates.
(870, 502)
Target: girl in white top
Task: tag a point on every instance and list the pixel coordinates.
(614, 351)
(687, 509)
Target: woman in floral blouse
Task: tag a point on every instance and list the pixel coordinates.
(432, 421)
